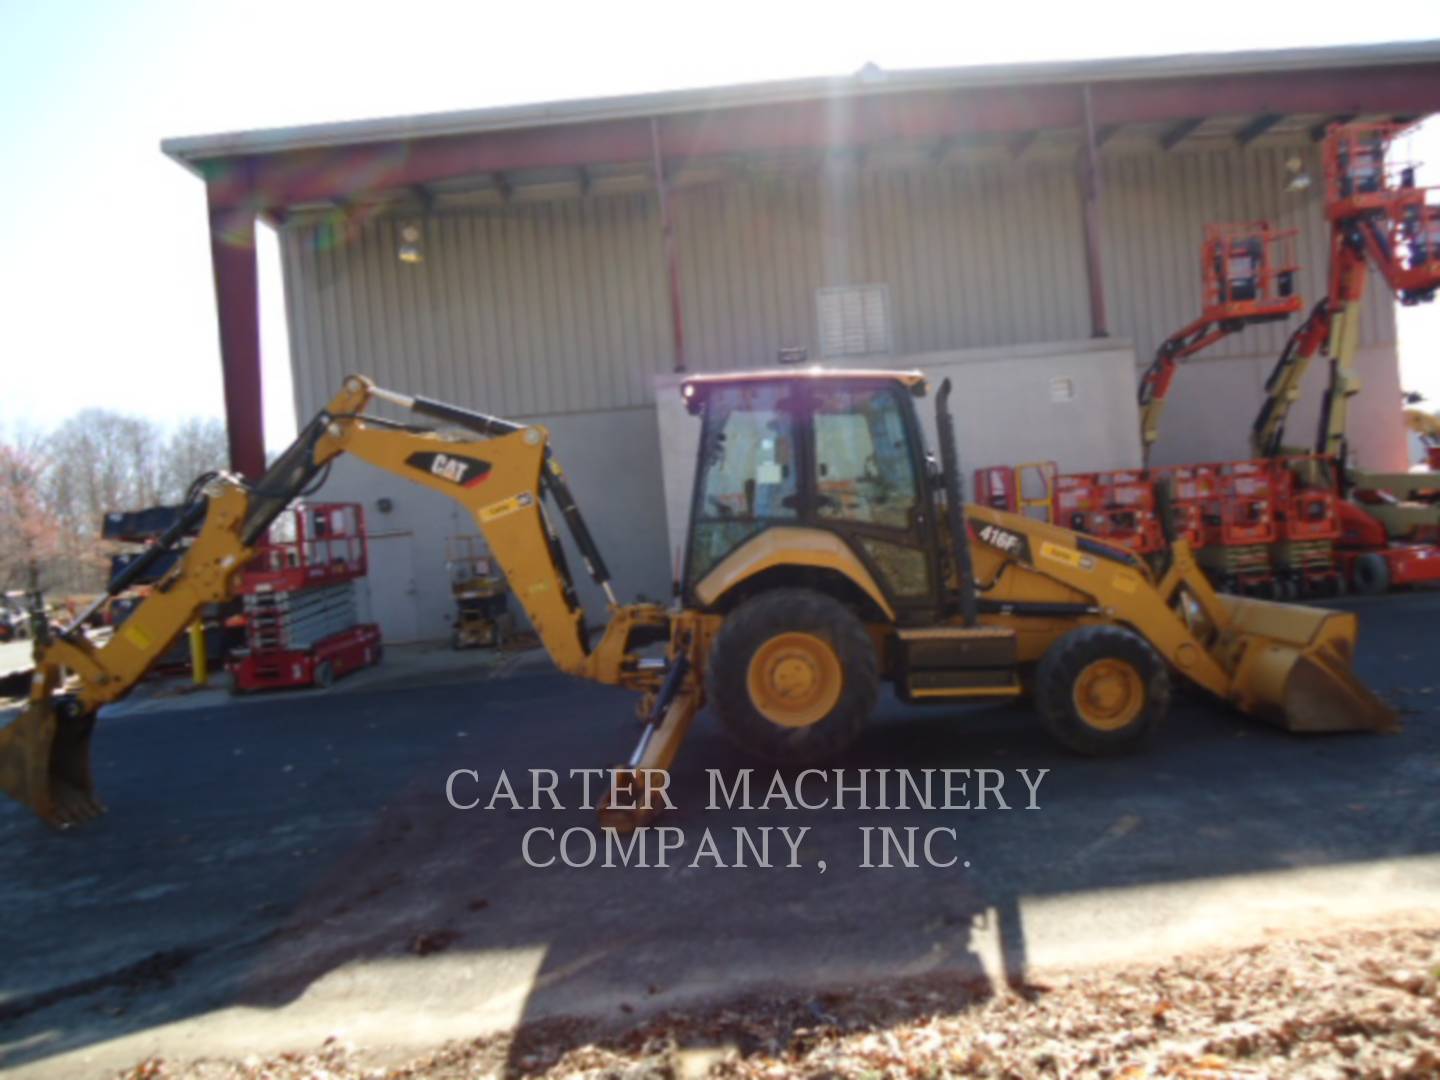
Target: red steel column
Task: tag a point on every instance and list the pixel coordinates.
(1090, 215)
(672, 262)
(237, 298)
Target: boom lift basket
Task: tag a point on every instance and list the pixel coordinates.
(1373, 194)
(1250, 272)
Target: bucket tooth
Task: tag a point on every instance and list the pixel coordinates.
(45, 763)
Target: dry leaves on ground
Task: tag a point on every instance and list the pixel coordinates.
(1359, 1004)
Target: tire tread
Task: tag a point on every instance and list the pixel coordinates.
(1061, 665)
(762, 617)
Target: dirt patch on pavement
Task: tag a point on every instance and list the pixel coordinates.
(1357, 1003)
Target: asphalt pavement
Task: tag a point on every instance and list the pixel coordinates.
(277, 870)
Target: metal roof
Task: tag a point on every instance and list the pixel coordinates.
(869, 81)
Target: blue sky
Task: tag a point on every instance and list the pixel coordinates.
(104, 264)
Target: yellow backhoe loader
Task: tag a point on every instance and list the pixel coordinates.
(827, 553)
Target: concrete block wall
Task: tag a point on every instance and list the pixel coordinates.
(1213, 402)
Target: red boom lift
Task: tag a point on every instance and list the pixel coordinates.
(1379, 217)
(1249, 274)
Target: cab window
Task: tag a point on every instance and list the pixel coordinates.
(864, 470)
(748, 476)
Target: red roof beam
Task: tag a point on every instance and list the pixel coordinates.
(314, 175)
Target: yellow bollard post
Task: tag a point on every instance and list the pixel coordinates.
(199, 664)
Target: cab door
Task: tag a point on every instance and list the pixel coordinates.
(866, 484)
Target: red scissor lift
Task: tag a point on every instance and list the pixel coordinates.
(301, 621)
(1266, 527)
(1191, 492)
(1240, 524)
(1307, 508)
(1117, 506)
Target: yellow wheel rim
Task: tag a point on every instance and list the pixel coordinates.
(1109, 694)
(794, 679)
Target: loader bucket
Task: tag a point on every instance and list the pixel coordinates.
(1293, 668)
(45, 764)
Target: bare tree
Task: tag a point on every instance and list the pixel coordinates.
(30, 534)
(100, 461)
(195, 447)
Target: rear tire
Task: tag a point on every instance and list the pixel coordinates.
(1101, 690)
(1370, 575)
(790, 647)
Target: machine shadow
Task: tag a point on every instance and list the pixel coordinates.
(271, 891)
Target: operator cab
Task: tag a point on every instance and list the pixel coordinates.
(833, 450)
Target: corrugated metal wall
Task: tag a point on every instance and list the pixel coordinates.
(974, 254)
(561, 306)
(550, 307)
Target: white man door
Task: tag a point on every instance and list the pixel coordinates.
(392, 586)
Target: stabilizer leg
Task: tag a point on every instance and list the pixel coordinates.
(645, 775)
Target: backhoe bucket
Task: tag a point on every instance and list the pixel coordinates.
(1293, 668)
(45, 764)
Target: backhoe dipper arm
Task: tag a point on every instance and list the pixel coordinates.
(500, 479)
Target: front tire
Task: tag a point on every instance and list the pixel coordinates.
(1101, 690)
(794, 676)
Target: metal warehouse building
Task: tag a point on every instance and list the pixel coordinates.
(1031, 231)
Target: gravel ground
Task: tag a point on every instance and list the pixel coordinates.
(1358, 1003)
